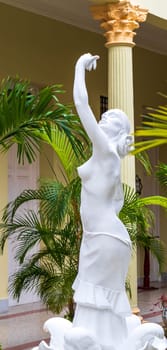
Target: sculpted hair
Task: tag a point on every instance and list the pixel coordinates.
(122, 119)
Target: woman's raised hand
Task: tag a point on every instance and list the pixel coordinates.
(89, 61)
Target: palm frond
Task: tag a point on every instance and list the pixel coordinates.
(154, 128)
(25, 118)
(53, 197)
(64, 150)
(143, 158)
(159, 251)
(146, 145)
(153, 200)
(136, 212)
(50, 276)
(161, 174)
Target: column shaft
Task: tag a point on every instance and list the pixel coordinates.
(120, 80)
(120, 95)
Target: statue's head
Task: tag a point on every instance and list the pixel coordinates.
(116, 126)
(114, 122)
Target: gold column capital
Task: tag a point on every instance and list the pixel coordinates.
(119, 20)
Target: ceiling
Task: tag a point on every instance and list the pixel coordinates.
(76, 12)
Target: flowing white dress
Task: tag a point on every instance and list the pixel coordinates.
(101, 301)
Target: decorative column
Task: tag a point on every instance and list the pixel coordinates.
(119, 19)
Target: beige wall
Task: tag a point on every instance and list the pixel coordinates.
(149, 78)
(45, 51)
(4, 257)
(163, 213)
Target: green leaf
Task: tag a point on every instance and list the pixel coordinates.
(153, 128)
(26, 118)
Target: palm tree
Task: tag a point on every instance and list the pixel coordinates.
(154, 132)
(27, 118)
(139, 219)
(154, 128)
(161, 175)
(57, 227)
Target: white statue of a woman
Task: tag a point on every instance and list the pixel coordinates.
(102, 307)
(101, 301)
(103, 318)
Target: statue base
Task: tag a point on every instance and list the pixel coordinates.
(64, 336)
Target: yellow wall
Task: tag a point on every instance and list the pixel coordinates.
(4, 257)
(163, 213)
(149, 78)
(45, 51)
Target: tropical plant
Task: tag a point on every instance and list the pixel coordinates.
(153, 132)
(28, 117)
(57, 227)
(161, 175)
(144, 234)
(153, 128)
(139, 219)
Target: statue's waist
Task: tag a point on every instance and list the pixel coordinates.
(94, 210)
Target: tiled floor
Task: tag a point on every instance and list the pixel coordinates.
(149, 302)
(22, 327)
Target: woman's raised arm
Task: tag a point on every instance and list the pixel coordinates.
(85, 62)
